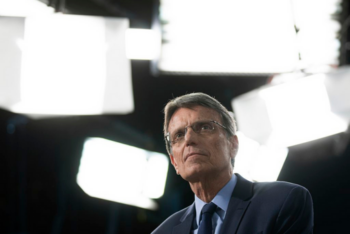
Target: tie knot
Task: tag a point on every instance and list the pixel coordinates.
(209, 208)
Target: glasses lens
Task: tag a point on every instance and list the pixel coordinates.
(198, 127)
(201, 127)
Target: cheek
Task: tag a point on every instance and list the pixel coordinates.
(217, 151)
(218, 146)
(221, 149)
(177, 156)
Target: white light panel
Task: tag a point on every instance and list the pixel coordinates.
(249, 36)
(338, 88)
(257, 162)
(23, 8)
(318, 27)
(122, 173)
(288, 114)
(142, 44)
(70, 65)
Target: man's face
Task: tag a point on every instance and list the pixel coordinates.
(200, 155)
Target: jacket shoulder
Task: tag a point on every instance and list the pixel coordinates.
(172, 221)
(277, 196)
(283, 188)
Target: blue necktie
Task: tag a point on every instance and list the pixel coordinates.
(207, 213)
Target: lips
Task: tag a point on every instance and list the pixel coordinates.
(193, 153)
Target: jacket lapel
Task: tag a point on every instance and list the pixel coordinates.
(238, 204)
(185, 222)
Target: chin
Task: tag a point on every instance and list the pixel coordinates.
(195, 172)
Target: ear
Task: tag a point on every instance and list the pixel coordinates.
(173, 161)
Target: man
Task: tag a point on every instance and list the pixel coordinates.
(202, 144)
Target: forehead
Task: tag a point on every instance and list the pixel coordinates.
(186, 116)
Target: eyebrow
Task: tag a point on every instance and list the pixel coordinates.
(204, 120)
(177, 129)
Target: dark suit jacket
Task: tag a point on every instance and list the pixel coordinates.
(255, 208)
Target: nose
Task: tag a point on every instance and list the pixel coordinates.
(190, 136)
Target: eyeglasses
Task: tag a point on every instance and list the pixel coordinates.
(200, 127)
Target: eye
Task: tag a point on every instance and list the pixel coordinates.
(177, 136)
(206, 127)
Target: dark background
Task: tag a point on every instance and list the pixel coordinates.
(40, 158)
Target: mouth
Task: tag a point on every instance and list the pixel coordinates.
(192, 154)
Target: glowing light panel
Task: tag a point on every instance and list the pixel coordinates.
(24, 8)
(142, 44)
(227, 36)
(68, 77)
(69, 65)
(288, 114)
(258, 162)
(122, 173)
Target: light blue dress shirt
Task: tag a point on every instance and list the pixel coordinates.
(221, 200)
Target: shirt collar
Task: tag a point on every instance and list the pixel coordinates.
(221, 199)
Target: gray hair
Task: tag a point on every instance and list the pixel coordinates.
(198, 99)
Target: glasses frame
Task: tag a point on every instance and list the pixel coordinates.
(167, 136)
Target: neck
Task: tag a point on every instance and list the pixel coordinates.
(206, 188)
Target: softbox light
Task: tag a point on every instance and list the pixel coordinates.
(258, 162)
(288, 114)
(250, 36)
(121, 173)
(65, 65)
